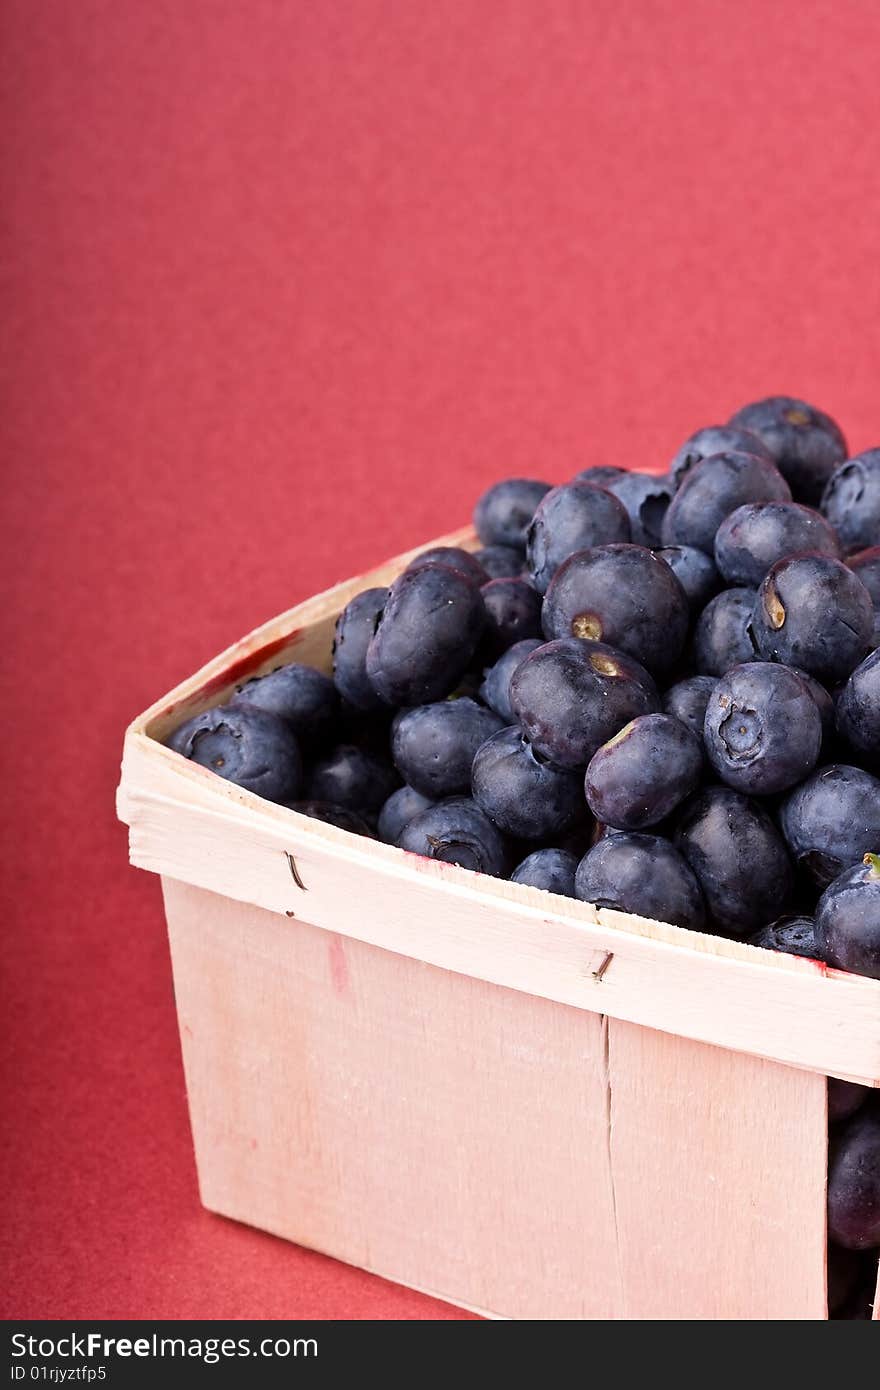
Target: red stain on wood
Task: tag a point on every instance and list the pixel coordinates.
(338, 964)
(245, 665)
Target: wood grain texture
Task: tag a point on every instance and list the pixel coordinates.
(519, 1157)
(435, 1129)
(719, 1164)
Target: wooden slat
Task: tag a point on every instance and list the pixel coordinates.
(441, 1131)
(715, 991)
(719, 1164)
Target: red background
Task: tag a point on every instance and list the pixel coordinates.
(287, 282)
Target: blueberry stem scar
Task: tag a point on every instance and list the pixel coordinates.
(294, 871)
(597, 974)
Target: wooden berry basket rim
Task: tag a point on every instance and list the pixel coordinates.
(189, 824)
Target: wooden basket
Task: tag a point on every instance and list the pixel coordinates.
(514, 1101)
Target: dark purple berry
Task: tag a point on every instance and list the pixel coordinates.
(854, 1182)
(646, 497)
(523, 794)
(715, 488)
(550, 869)
(433, 746)
(806, 444)
(513, 614)
(762, 731)
(248, 746)
(851, 501)
(754, 537)
(398, 811)
(695, 572)
(814, 613)
(305, 698)
(621, 595)
(571, 696)
(426, 636)
(639, 777)
(832, 820)
(739, 860)
(793, 936)
(721, 636)
(495, 690)
(504, 511)
(574, 517)
(848, 918)
(457, 832)
(642, 874)
(715, 439)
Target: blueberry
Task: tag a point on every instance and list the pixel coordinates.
(523, 794)
(550, 869)
(763, 731)
(844, 1098)
(858, 710)
(712, 490)
(738, 857)
(695, 572)
(513, 614)
(504, 511)
(495, 690)
(687, 701)
(398, 811)
(793, 936)
(848, 918)
(806, 444)
(832, 820)
(462, 561)
(457, 832)
(646, 497)
(305, 698)
(823, 702)
(366, 728)
(624, 596)
(755, 536)
(600, 475)
(814, 613)
(571, 696)
(325, 811)
(639, 777)
(721, 636)
(354, 630)
(351, 777)
(571, 518)
(642, 874)
(248, 746)
(715, 439)
(426, 636)
(500, 561)
(854, 1182)
(433, 746)
(851, 501)
(866, 564)
(844, 1274)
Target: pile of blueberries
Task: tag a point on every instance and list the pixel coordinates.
(655, 693)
